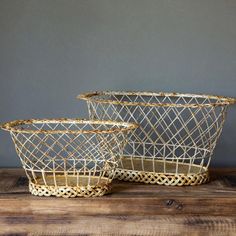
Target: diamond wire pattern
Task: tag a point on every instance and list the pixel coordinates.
(93, 154)
(182, 134)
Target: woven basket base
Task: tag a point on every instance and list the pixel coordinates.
(132, 171)
(70, 190)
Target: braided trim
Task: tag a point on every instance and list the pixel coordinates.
(68, 191)
(161, 178)
(16, 126)
(97, 97)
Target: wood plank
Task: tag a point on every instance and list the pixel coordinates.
(119, 225)
(131, 209)
(217, 197)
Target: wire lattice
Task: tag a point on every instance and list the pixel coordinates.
(69, 157)
(176, 137)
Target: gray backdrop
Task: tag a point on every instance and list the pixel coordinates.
(50, 51)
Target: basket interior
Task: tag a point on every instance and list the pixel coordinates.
(161, 166)
(70, 180)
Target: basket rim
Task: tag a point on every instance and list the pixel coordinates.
(90, 96)
(124, 126)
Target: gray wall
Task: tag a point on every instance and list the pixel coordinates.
(51, 50)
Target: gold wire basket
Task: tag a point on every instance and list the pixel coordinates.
(69, 157)
(176, 137)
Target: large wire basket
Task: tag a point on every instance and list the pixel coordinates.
(69, 157)
(176, 137)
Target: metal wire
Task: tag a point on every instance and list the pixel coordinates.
(176, 138)
(69, 157)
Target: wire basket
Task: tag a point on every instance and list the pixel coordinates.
(69, 157)
(176, 137)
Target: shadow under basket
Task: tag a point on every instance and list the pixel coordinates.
(176, 137)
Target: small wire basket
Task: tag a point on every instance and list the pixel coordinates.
(69, 157)
(176, 137)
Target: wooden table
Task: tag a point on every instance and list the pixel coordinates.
(132, 209)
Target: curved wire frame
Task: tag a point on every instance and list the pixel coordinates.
(176, 137)
(160, 99)
(69, 157)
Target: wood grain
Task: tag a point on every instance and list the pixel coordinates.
(131, 209)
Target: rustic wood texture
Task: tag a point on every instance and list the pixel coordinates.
(131, 209)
